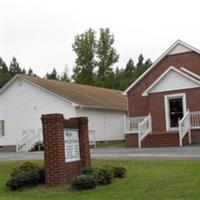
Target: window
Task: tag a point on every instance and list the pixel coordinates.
(72, 149)
(2, 128)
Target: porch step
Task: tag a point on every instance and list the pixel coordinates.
(161, 139)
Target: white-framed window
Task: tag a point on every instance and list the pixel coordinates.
(175, 108)
(72, 148)
(2, 128)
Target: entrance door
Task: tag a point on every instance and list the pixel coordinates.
(175, 108)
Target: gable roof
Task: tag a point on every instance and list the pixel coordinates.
(173, 49)
(79, 95)
(180, 72)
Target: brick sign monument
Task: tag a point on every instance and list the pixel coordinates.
(66, 147)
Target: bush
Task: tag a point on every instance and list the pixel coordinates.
(103, 175)
(87, 171)
(118, 172)
(26, 166)
(84, 182)
(38, 147)
(26, 178)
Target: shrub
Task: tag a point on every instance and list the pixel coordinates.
(26, 178)
(26, 166)
(84, 182)
(103, 175)
(38, 147)
(87, 170)
(118, 172)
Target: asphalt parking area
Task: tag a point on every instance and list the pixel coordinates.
(186, 152)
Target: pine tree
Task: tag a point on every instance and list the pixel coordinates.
(129, 69)
(5, 76)
(30, 72)
(14, 67)
(53, 75)
(65, 77)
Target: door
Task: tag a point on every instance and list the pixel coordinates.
(175, 109)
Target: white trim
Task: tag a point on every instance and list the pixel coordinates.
(101, 107)
(191, 73)
(9, 83)
(158, 60)
(145, 93)
(166, 101)
(131, 132)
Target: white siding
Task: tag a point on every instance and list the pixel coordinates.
(179, 48)
(22, 106)
(173, 81)
(108, 125)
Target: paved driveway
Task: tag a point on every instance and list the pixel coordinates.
(187, 152)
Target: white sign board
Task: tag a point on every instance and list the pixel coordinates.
(72, 149)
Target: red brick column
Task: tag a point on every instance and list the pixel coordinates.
(57, 170)
(54, 155)
(84, 141)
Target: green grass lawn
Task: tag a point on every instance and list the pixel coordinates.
(144, 180)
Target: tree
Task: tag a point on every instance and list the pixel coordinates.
(65, 77)
(3, 66)
(15, 68)
(30, 72)
(107, 56)
(85, 46)
(53, 75)
(129, 69)
(5, 76)
(141, 66)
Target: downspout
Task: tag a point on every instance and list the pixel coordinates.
(1, 106)
(104, 127)
(1, 115)
(80, 108)
(77, 108)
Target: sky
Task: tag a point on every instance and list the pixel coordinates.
(40, 33)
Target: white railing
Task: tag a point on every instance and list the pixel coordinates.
(195, 120)
(144, 128)
(131, 124)
(29, 139)
(184, 128)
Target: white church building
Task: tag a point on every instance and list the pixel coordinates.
(25, 98)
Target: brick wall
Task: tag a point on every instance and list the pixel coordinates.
(57, 171)
(196, 136)
(158, 140)
(131, 140)
(157, 108)
(141, 105)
